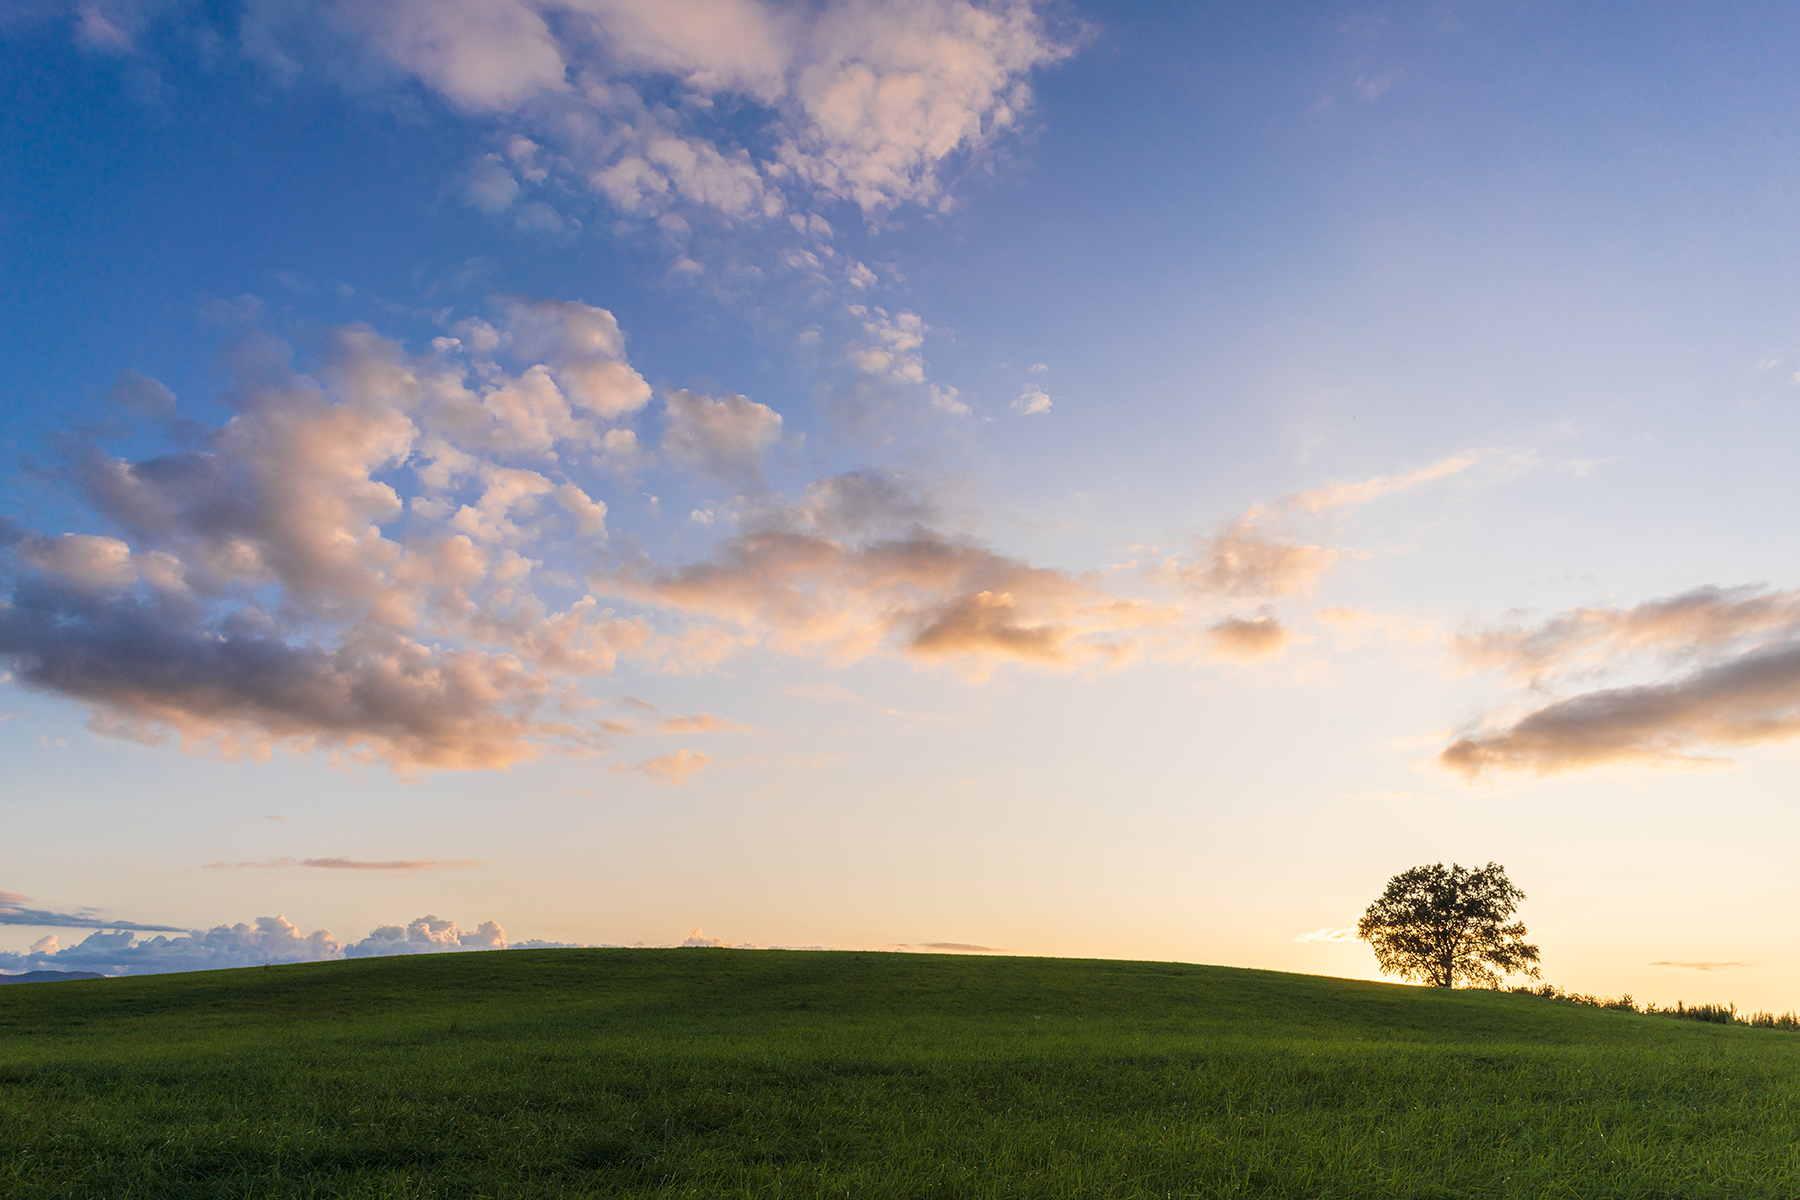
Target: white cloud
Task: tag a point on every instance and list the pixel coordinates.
(888, 92)
(427, 935)
(490, 185)
(1345, 934)
(1032, 402)
(725, 437)
(891, 346)
(266, 941)
(866, 100)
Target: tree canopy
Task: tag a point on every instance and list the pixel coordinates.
(1443, 926)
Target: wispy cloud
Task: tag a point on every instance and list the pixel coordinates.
(1346, 933)
(14, 912)
(349, 864)
(1701, 966)
(675, 768)
(1261, 555)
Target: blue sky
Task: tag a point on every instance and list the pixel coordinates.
(1074, 480)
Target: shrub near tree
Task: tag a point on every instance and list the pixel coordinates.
(1445, 926)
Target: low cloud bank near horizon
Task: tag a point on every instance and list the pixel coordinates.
(1729, 661)
(268, 941)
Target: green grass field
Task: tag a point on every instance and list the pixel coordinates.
(767, 1073)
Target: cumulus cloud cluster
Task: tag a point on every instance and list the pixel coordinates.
(866, 101)
(120, 951)
(355, 561)
(350, 562)
(1727, 667)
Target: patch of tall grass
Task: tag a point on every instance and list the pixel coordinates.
(1716, 1014)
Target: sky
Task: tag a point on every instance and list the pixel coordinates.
(1008, 476)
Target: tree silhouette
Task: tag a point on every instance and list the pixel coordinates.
(1441, 926)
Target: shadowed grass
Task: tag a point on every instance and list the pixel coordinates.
(767, 1073)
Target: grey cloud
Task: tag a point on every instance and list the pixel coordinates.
(142, 394)
(12, 912)
(1699, 621)
(154, 665)
(1751, 698)
(1746, 689)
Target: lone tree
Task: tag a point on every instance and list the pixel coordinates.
(1447, 926)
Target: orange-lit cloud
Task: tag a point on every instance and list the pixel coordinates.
(1259, 555)
(1247, 639)
(676, 767)
(920, 594)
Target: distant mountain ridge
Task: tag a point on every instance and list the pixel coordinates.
(51, 976)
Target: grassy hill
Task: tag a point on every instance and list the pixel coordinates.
(767, 1073)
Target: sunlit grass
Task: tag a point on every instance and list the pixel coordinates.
(738, 1073)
